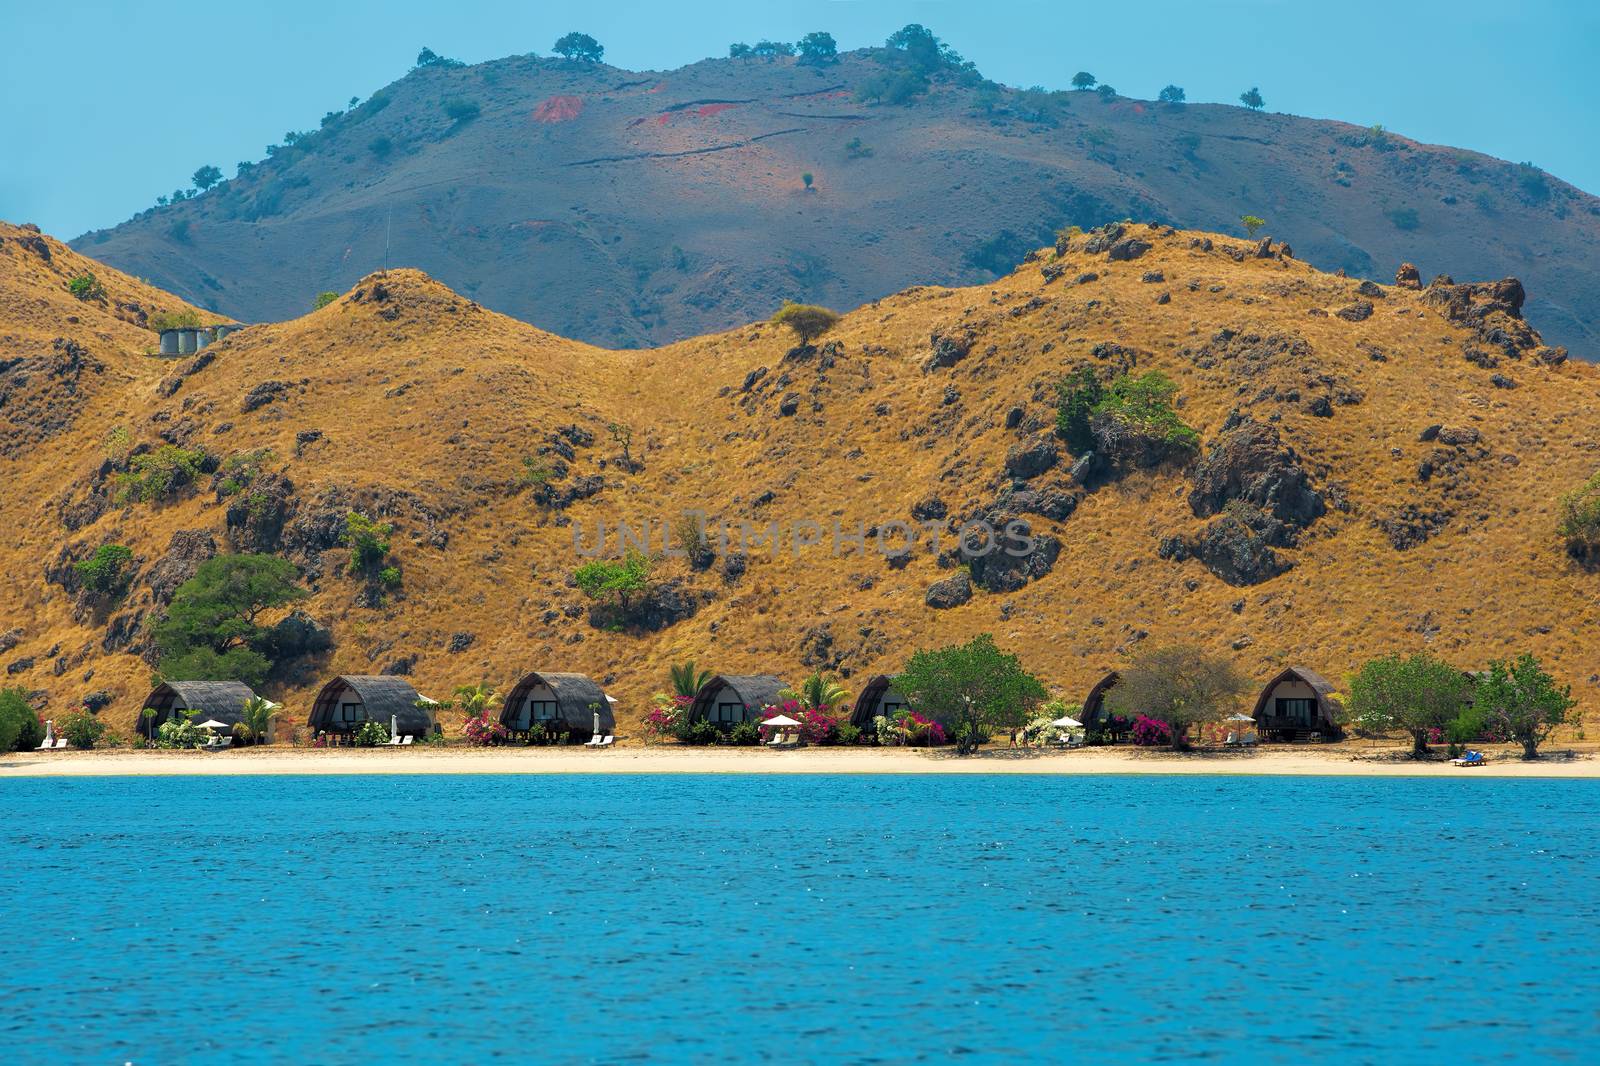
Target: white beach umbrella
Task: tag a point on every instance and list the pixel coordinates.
(1238, 718)
(782, 721)
(1066, 721)
(212, 723)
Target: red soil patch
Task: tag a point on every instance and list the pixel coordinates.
(558, 109)
(714, 109)
(658, 88)
(664, 118)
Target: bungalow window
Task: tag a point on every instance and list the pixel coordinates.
(1297, 711)
(891, 708)
(349, 713)
(543, 710)
(729, 713)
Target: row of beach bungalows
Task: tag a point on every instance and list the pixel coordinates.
(1298, 703)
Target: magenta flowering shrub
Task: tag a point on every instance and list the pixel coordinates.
(1151, 732)
(666, 716)
(483, 729)
(818, 725)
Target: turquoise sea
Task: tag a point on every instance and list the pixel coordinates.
(467, 919)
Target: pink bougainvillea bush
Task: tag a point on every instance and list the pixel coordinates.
(1151, 732)
(483, 729)
(666, 716)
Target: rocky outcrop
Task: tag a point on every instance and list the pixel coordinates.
(953, 591)
(1231, 549)
(1408, 277)
(1124, 250)
(947, 349)
(187, 549)
(1028, 459)
(263, 394)
(1248, 461)
(256, 516)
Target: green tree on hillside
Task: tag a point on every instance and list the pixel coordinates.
(211, 632)
(818, 49)
(1251, 98)
(818, 692)
(1107, 93)
(1172, 94)
(770, 50)
(808, 321)
(616, 581)
(579, 46)
(1083, 80)
(323, 300)
(105, 573)
(1417, 694)
(1251, 224)
(970, 688)
(739, 50)
(206, 177)
(20, 729)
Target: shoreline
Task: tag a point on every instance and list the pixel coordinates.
(269, 761)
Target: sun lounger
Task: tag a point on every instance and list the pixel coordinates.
(608, 741)
(396, 740)
(406, 743)
(61, 744)
(46, 745)
(592, 742)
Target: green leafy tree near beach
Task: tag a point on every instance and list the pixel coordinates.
(211, 631)
(19, 724)
(1418, 695)
(1181, 684)
(1518, 699)
(970, 688)
(1251, 224)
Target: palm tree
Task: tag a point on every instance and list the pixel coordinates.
(687, 681)
(476, 700)
(819, 692)
(255, 719)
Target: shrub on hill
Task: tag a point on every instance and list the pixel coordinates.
(323, 300)
(165, 320)
(1251, 98)
(615, 582)
(1130, 422)
(160, 474)
(1404, 218)
(459, 109)
(105, 573)
(380, 147)
(1580, 521)
(429, 58)
(368, 541)
(86, 287)
(1083, 81)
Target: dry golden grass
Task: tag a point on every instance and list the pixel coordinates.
(426, 393)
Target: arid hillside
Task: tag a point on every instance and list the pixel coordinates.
(636, 208)
(1379, 469)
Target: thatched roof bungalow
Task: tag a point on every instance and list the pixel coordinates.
(350, 699)
(729, 699)
(220, 700)
(877, 697)
(1297, 703)
(1095, 711)
(567, 702)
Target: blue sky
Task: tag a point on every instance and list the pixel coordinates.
(106, 105)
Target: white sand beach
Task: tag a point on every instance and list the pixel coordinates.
(1335, 760)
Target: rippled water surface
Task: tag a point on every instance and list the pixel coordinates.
(858, 919)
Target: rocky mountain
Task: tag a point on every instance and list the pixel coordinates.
(1343, 469)
(638, 208)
